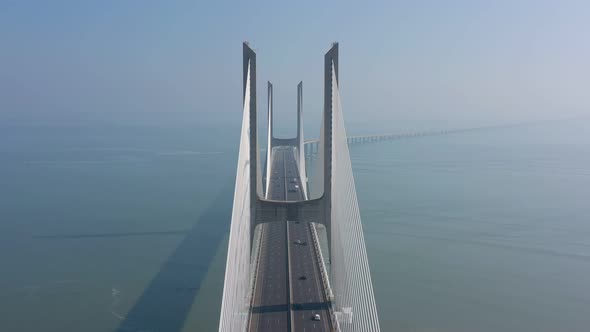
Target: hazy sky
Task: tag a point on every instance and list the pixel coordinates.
(433, 63)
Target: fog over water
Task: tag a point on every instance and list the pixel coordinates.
(125, 228)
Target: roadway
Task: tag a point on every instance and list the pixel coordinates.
(286, 299)
(308, 296)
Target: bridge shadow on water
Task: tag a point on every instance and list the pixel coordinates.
(166, 302)
(295, 307)
(311, 306)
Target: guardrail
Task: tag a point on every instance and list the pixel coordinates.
(255, 273)
(290, 299)
(325, 279)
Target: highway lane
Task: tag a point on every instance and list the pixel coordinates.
(292, 179)
(308, 296)
(307, 288)
(285, 183)
(277, 188)
(272, 309)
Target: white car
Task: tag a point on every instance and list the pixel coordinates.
(316, 317)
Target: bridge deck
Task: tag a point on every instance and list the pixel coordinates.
(308, 295)
(289, 289)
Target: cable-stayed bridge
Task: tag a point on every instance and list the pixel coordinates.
(296, 257)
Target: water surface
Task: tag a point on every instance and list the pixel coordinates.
(125, 228)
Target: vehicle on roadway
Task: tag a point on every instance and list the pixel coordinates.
(299, 242)
(316, 317)
(303, 278)
(292, 190)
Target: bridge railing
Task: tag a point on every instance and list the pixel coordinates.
(289, 283)
(257, 243)
(324, 274)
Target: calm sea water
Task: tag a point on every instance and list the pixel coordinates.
(125, 228)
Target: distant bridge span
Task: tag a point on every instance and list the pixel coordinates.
(312, 145)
